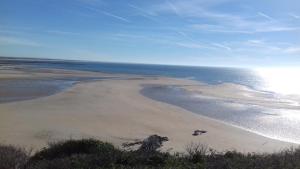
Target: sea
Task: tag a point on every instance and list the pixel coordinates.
(276, 123)
(209, 75)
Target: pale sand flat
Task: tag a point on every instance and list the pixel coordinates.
(115, 111)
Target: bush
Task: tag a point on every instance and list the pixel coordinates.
(75, 154)
(197, 152)
(94, 154)
(12, 157)
(67, 148)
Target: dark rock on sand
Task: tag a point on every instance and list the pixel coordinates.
(199, 132)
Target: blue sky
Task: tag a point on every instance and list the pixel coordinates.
(243, 33)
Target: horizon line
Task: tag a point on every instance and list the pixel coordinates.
(111, 62)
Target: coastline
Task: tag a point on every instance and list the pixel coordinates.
(101, 109)
(250, 112)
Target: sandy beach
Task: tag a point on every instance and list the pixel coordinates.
(114, 110)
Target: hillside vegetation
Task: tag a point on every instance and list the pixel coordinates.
(145, 154)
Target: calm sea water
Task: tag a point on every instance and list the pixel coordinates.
(276, 80)
(209, 75)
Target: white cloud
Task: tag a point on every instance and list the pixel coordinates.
(190, 45)
(185, 8)
(260, 47)
(115, 16)
(266, 16)
(173, 7)
(222, 46)
(61, 32)
(109, 14)
(144, 13)
(92, 2)
(141, 10)
(6, 40)
(219, 21)
(293, 50)
(255, 42)
(219, 28)
(244, 27)
(294, 16)
(10, 31)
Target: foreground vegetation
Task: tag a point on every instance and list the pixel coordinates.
(95, 154)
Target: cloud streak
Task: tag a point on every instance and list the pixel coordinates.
(293, 50)
(115, 16)
(175, 28)
(219, 21)
(7, 40)
(194, 45)
(92, 2)
(266, 16)
(294, 16)
(173, 7)
(109, 14)
(251, 29)
(222, 46)
(58, 32)
(144, 13)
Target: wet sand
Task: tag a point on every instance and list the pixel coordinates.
(114, 110)
(261, 118)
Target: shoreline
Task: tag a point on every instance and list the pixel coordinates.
(238, 113)
(89, 110)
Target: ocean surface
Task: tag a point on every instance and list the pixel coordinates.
(209, 75)
(276, 80)
(282, 124)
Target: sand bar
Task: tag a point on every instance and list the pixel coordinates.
(114, 110)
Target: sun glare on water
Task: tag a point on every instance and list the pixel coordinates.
(281, 80)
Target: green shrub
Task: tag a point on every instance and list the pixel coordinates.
(75, 154)
(72, 147)
(94, 154)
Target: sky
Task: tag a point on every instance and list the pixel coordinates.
(239, 33)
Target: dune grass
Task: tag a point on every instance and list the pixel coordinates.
(95, 154)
